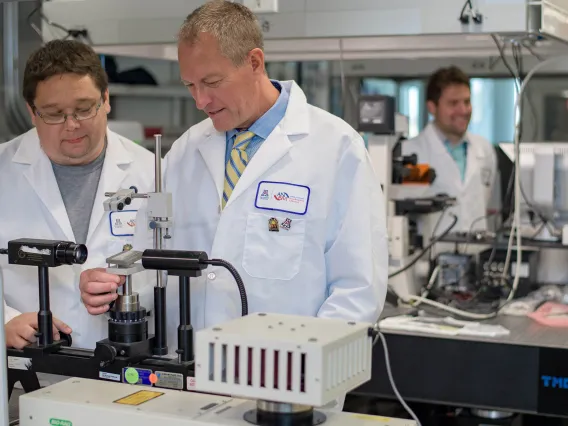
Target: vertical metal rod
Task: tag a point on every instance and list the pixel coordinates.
(158, 159)
(160, 320)
(4, 392)
(161, 336)
(185, 330)
(158, 232)
(127, 288)
(44, 319)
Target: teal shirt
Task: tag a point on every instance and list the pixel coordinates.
(459, 153)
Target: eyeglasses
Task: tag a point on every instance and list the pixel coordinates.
(79, 115)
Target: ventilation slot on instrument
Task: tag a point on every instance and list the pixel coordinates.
(250, 367)
(289, 372)
(263, 368)
(276, 370)
(224, 363)
(303, 373)
(211, 361)
(237, 365)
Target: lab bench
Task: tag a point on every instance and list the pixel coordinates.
(523, 372)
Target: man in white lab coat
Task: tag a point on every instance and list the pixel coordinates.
(281, 189)
(465, 164)
(53, 180)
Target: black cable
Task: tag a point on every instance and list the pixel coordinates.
(463, 18)
(3, 251)
(425, 249)
(238, 279)
(518, 58)
(438, 222)
(532, 52)
(517, 77)
(75, 34)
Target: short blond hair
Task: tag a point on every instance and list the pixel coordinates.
(233, 25)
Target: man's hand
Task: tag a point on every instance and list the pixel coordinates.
(20, 331)
(98, 289)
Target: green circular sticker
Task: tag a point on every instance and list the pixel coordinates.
(131, 376)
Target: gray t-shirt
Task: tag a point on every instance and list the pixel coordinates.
(78, 186)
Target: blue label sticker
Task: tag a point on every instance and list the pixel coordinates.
(143, 376)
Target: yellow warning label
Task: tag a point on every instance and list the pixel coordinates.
(139, 397)
(372, 418)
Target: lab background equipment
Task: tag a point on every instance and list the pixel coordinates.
(412, 209)
(262, 369)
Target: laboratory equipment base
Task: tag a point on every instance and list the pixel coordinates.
(88, 402)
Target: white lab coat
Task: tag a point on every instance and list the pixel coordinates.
(474, 194)
(332, 262)
(32, 207)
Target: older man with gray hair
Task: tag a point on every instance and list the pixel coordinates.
(281, 189)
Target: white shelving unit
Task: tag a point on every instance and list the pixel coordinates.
(167, 106)
(149, 91)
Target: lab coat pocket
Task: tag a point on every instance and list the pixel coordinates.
(273, 246)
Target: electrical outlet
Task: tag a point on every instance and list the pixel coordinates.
(262, 6)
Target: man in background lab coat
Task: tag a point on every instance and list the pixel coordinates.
(465, 164)
(53, 180)
(281, 189)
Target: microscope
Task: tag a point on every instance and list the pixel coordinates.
(412, 209)
(129, 354)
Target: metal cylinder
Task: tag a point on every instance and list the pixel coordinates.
(491, 414)
(270, 413)
(282, 408)
(127, 287)
(158, 160)
(161, 337)
(127, 303)
(45, 320)
(127, 332)
(174, 260)
(185, 330)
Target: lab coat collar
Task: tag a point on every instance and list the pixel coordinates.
(30, 151)
(278, 143)
(442, 138)
(42, 179)
(434, 134)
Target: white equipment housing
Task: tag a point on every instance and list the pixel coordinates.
(544, 179)
(289, 359)
(275, 351)
(380, 149)
(93, 403)
(324, 29)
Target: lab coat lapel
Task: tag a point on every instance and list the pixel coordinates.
(442, 158)
(39, 174)
(113, 174)
(212, 149)
(294, 124)
(473, 159)
(271, 150)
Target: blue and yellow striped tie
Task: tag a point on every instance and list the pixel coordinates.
(236, 164)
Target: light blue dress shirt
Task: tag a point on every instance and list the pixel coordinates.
(263, 126)
(459, 153)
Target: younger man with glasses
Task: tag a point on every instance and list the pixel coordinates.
(52, 184)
